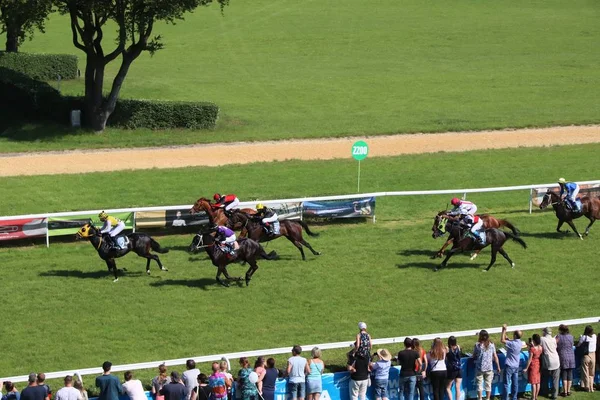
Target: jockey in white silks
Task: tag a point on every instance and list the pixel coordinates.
(113, 226)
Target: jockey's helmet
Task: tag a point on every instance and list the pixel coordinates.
(455, 201)
(103, 216)
(217, 197)
(562, 180)
(260, 206)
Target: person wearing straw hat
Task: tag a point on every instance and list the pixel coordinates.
(381, 369)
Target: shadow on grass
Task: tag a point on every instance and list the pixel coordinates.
(431, 265)
(100, 274)
(182, 248)
(417, 252)
(202, 283)
(549, 235)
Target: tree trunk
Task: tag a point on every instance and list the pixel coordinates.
(96, 116)
(12, 38)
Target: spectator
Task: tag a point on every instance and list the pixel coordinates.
(588, 363)
(551, 362)
(11, 391)
(533, 365)
(174, 390)
(437, 362)
(218, 382)
(381, 369)
(510, 375)
(190, 376)
(159, 381)
(453, 368)
(33, 391)
(270, 379)
(313, 379)
(359, 375)
(224, 366)
(566, 356)
(485, 355)
(68, 392)
(362, 344)
(297, 368)
(259, 368)
(109, 385)
(133, 387)
(248, 389)
(82, 392)
(407, 359)
(41, 381)
(422, 372)
(202, 391)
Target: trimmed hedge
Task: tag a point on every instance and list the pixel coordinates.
(43, 67)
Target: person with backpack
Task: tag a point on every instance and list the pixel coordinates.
(453, 368)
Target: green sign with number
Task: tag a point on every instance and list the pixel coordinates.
(360, 150)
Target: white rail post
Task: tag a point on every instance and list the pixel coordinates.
(530, 200)
(464, 195)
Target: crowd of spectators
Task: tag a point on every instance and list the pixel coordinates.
(551, 362)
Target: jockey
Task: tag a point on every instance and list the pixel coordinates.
(229, 202)
(113, 226)
(225, 236)
(570, 191)
(475, 224)
(462, 207)
(268, 218)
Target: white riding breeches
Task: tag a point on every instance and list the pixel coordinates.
(468, 209)
(117, 229)
(230, 239)
(274, 218)
(234, 204)
(477, 226)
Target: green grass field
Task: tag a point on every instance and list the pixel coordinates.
(65, 312)
(319, 69)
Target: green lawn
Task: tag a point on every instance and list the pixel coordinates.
(320, 69)
(63, 300)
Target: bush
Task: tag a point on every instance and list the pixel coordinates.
(43, 67)
(154, 114)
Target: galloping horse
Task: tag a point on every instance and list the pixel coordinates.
(494, 237)
(292, 230)
(249, 252)
(590, 207)
(216, 216)
(488, 223)
(139, 243)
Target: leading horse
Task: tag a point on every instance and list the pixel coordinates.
(139, 243)
(216, 216)
(291, 230)
(590, 207)
(494, 237)
(249, 251)
(488, 222)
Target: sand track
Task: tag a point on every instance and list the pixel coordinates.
(71, 162)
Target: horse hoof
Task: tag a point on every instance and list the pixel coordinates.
(485, 270)
(148, 272)
(116, 280)
(164, 269)
(247, 281)
(318, 253)
(436, 269)
(474, 256)
(580, 237)
(513, 265)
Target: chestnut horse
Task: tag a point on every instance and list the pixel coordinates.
(216, 216)
(590, 207)
(488, 223)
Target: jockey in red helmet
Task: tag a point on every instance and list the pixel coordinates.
(228, 202)
(462, 207)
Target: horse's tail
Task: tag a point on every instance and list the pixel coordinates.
(516, 239)
(271, 256)
(156, 247)
(303, 224)
(504, 222)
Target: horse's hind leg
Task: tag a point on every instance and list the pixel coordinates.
(493, 260)
(148, 265)
(251, 271)
(298, 246)
(505, 255)
(305, 243)
(587, 230)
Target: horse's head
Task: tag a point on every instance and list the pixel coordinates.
(202, 204)
(548, 199)
(439, 225)
(87, 231)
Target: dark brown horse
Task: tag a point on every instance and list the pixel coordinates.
(292, 230)
(139, 243)
(488, 223)
(216, 216)
(249, 251)
(590, 207)
(464, 242)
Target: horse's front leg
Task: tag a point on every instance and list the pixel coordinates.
(220, 270)
(560, 224)
(475, 254)
(572, 225)
(113, 266)
(440, 253)
(450, 254)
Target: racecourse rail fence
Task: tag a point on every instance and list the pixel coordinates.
(286, 350)
(65, 223)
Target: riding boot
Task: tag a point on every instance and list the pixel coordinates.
(112, 242)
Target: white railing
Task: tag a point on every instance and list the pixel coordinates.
(285, 350)
(318, 198)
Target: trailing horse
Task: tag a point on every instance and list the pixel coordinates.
(216, 216)
(249, 252)
(590, 207)
(139, 243)
(488, 222)
(494, 237)
(292, 230)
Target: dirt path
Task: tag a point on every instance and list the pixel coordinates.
(71, 162)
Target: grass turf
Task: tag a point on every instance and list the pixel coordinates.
(62, 298)
(321, 69)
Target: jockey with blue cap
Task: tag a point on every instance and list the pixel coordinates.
(570, 191)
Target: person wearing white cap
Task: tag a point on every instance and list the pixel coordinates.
(570, 190)
(551, 363)
(362, 344)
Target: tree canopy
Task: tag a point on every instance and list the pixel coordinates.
(20, 18)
